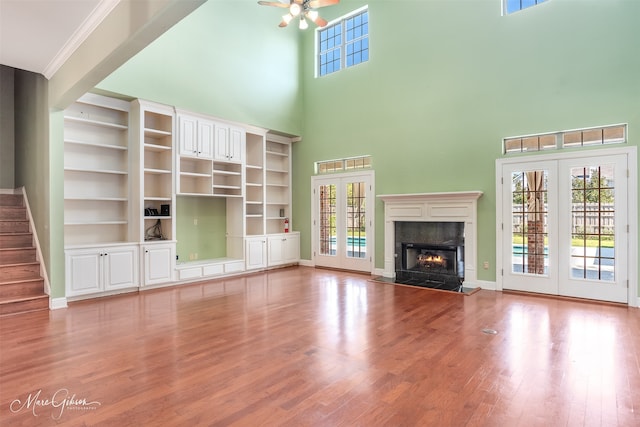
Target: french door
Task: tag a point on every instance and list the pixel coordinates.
(343, 221)
(565, 227)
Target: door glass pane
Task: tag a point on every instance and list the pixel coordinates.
(529, 222)
(593, 223)
(327, 228)
(356, 234)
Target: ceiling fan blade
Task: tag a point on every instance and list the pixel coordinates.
(319, 21)
(283, 24)
(273, 3)
(314, 4)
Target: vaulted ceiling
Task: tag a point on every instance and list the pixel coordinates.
(39, 35)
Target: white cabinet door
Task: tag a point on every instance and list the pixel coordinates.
(236, 144)
(275, 253)
(221, 143)
(120, 266)
(196, 137)
(205, 138)
(83, 272)
(158, 263)
(292, 247)
(256, 252)
(283, 248)
(229, 143)
(188, 134)
(95, 270)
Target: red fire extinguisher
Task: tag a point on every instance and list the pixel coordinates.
(286, 225)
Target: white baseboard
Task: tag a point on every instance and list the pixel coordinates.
(306, 263)
(377, 271)
(57, 303)
(485, 284)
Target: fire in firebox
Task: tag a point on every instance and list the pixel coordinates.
(431, 260)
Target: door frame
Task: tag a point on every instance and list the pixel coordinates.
(370, 174)
(632, 208)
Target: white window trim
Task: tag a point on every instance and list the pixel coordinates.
(343, 54)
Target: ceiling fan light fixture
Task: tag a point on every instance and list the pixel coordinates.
(287, 18)
(295, 9)
(303, 23)
(312, 15)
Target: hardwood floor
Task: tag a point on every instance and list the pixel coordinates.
(312, 347)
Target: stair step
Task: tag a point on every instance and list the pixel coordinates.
(11, 200)
(13, 212)
(24, 271)
(17, 255)
(16, 240)
(24, 305)
(21, 289)
(14, 226)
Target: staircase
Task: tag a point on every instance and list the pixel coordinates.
(21, 286)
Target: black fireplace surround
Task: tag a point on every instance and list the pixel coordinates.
(430, 254)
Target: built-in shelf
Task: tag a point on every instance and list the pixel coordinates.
(90, 122)
(95, 144)
(96, 172)
(105, 171)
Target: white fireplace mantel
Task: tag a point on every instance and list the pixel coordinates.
(458, 206)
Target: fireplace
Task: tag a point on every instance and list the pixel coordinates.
(440, 224)
(430, 254)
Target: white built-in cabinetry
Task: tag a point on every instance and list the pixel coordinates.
(126, 164)
(101, 269)
(101, 252)
(158, 261)
(283, 249)
(255, 252)
(96, 172)
(210, 157)
(277, 183)
(153, 141)
(229, 143)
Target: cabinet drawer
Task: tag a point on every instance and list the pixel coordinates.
(189, 273)
(212, 270)
(234, 267)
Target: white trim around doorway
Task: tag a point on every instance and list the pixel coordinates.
(632, 199)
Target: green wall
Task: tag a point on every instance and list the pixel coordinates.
(446, 81)
(201, 225)
(227, 59)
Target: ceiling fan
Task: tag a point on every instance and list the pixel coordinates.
(302, 9)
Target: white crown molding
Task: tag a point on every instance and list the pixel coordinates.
(101, 11)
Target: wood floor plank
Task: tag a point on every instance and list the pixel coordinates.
(312, 347)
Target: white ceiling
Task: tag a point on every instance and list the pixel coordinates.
(40, 35)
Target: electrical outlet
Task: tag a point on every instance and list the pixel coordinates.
(195, 256)
(485, 265)
(190, 257)
(195, 221)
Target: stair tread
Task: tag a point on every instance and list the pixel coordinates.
(14, 299)
(18, 248)
(13, 282)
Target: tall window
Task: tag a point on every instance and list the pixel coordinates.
(511, 6)
(344, 43)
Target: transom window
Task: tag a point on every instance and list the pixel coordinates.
(344, 43)
(511, 6)
(613, 134)
(343, 165)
